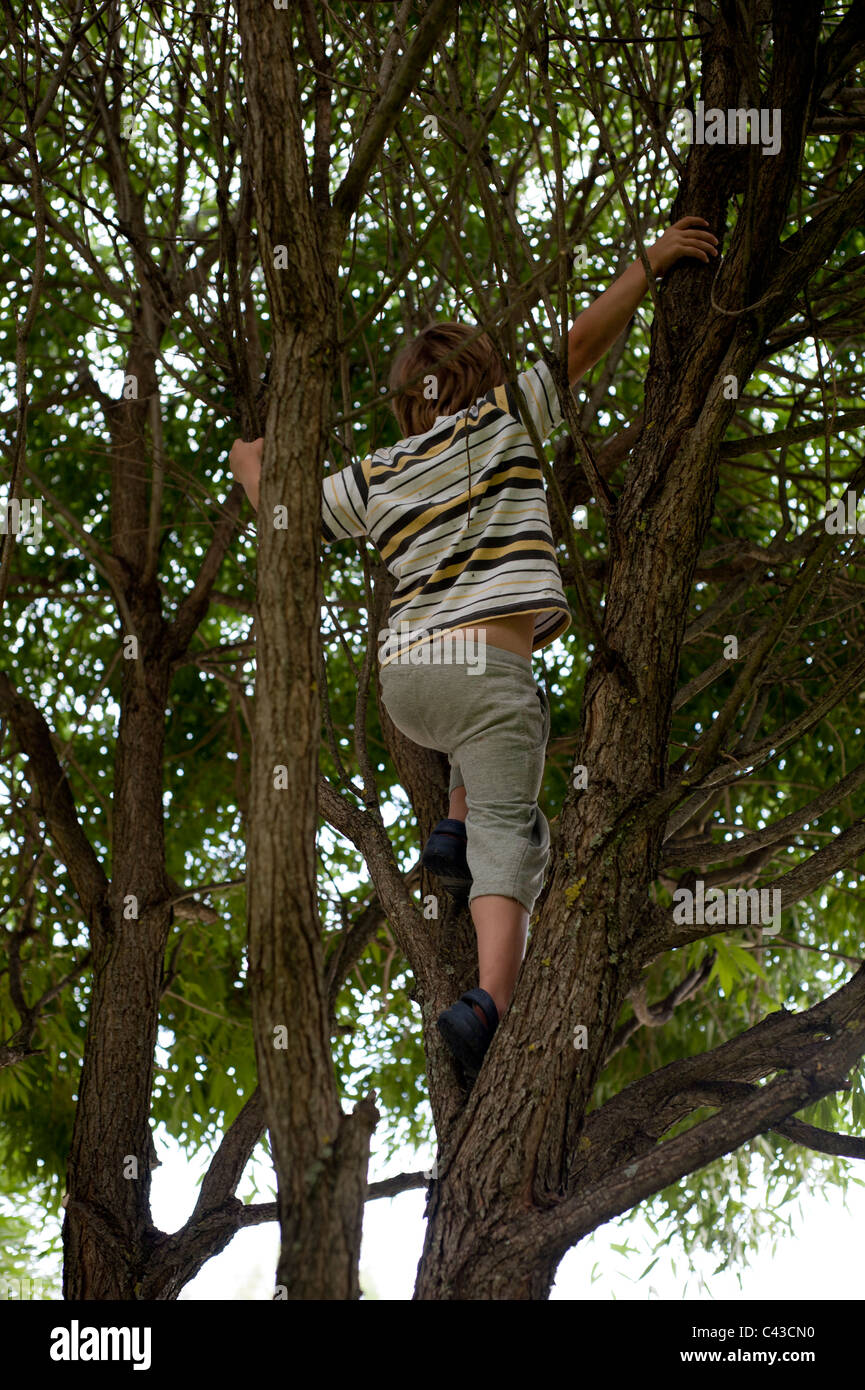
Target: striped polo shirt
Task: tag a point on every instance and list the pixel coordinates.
(459, 516)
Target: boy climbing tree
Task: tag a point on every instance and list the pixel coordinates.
(458, 512)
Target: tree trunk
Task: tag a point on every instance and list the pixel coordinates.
(519, 1143)
(320, 1153)
(108, 1203)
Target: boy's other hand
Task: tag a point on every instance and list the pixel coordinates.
(245, 460)
(685, 238)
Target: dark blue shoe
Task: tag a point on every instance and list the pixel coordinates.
(466, 1036)
(444, 856)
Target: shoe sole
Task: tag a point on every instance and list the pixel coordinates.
(444, 872)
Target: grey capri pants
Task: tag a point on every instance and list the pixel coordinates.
(494, 726)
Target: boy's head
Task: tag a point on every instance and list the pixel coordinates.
(458, 382)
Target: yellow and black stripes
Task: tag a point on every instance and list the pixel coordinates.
(453, 566)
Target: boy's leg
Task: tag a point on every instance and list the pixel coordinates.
(500, 754)
(503, 768)
(502, 926)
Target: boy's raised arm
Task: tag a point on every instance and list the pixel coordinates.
(598, 327)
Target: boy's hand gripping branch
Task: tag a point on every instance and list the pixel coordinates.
(245, 460)
(598, 327)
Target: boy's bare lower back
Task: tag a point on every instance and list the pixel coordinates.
(513, 634)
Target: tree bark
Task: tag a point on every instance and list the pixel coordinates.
(108, 1207)
(320, 1153)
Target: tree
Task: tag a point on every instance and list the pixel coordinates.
(374, 168)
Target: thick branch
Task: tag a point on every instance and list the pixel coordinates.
(369, 836)
(644, 1111)
(822, 1141)
(737, 1122)
(217, 1215)
(719, 1135)
(356, 938)
(234, 1152)
(392, 1187)
(57, 802)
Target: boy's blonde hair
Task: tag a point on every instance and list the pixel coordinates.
(459, 381)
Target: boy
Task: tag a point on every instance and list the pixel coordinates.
(458, 512)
